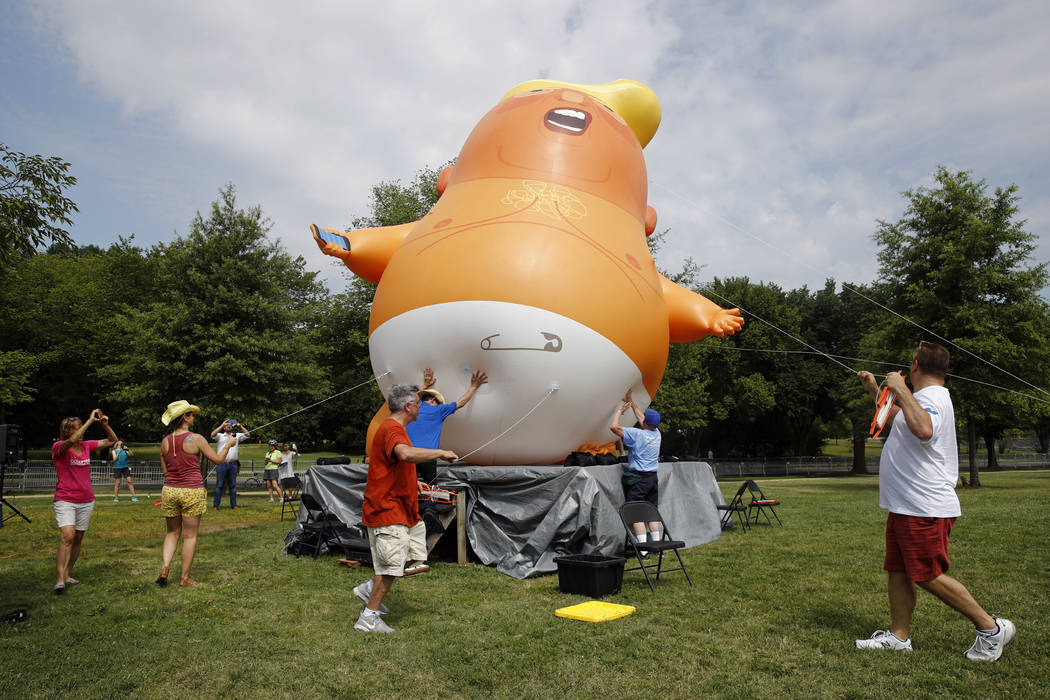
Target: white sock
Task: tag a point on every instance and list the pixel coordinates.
(640, 539)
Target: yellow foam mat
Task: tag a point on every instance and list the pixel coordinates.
(595, 611)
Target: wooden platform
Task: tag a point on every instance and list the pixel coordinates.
(459, 515)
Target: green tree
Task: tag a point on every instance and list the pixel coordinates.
(231, 327)
(958, 264)
(60, 308)
(33, 206)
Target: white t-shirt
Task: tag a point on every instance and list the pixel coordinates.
(918, 477)
(222, 438)
(287, 465)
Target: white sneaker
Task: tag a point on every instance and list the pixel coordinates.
(364, 592)
(884, 639)
(989, 647)
(413, 568)
(72, 581)
(271, 500)
(369, 621)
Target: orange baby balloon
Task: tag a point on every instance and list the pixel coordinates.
(533, 266)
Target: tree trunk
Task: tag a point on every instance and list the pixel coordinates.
(971, 442)
(990, 437)
(860, 441)
(1042, 434)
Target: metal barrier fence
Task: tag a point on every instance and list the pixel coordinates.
(39, 475)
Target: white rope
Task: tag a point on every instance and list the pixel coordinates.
(724, 346)
(775, 327)
(845, 285)
(545, 397)
(369, 381)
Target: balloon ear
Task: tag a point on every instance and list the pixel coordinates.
(443, 178)
(650, 221)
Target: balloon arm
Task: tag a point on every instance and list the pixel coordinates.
(692, 317)
(365, 251)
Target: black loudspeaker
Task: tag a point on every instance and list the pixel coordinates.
(10, 442)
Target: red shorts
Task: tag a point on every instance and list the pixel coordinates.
(917, 546)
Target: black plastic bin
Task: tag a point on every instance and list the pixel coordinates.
(594, 575)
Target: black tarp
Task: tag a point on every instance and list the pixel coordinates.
(520, 518)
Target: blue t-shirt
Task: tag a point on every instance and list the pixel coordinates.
(645, 449)
(121, 462)
(425, 430)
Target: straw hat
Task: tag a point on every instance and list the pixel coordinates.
(176, 409)
(427, 393)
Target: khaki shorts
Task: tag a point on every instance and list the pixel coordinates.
(394, 545)
(76, 514)
(177, 501)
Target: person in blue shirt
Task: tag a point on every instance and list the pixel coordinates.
(640, 481)
(120, 453)
(425, 431)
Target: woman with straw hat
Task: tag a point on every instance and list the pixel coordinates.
(183, 495)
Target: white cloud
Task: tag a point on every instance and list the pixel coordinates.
(799, 125)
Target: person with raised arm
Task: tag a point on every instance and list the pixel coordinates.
(183, 495)
(641, 480)
(74, 495)
(918, 470)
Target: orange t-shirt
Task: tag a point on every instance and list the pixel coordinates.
(391, 496)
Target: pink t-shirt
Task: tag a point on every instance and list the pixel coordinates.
(74, 472)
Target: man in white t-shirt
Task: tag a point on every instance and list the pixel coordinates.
(917, 475)
(226, 473)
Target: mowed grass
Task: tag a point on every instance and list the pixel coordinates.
(771, 613)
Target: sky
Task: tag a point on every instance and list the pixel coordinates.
(789, 129)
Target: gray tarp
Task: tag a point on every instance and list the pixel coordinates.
(520, 518)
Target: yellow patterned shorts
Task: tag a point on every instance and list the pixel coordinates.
(176, 501)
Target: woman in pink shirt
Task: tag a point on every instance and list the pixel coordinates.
(74, 496)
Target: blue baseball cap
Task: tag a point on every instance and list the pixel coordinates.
(652, 418)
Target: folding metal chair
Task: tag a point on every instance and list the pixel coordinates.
(735, 506)
(760, 504)
(293, 487)
(317, 520)
(645, 512)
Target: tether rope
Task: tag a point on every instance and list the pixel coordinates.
(531, 411)
(358, 386)
(845, 285)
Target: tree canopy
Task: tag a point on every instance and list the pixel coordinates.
(225, 317)
(33, 205)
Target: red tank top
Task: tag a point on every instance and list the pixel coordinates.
(184, 469)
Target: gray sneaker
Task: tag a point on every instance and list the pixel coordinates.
(364, 592)
(884, 639)
(989, 647)
(370, 621)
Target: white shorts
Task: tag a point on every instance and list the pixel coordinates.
(76, 514)
(394, 545)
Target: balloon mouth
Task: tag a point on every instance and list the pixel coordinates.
(566, 120)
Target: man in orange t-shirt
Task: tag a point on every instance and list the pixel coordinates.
(390, 509)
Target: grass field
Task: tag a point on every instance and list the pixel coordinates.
(772, 613)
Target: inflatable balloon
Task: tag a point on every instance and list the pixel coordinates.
(533, 267)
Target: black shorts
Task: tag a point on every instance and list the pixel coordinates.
(641, 486)
(427, 471)
(122, 473)
(270, 474)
